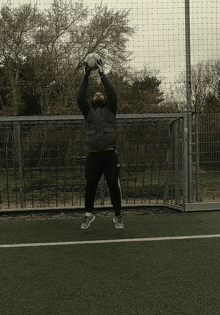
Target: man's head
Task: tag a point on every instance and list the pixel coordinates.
(98, 99)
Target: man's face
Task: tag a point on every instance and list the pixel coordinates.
(98, 98)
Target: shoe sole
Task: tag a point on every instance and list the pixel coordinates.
(84, 228)
(117, 227)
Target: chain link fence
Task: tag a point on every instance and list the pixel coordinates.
(42, 161)
(206, 159)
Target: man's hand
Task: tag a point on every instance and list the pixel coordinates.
(100, 67)
(87, 71)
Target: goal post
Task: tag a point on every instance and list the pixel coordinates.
(46, 170)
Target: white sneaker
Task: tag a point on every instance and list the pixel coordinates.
(118, 222)
(87, 221)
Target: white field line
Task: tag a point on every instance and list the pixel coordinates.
(128, 240)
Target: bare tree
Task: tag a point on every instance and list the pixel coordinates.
(106, 33)
(53, 44)
(204, 84)
(16, 29)
(75, 33)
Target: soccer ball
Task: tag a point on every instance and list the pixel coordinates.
(91, 60)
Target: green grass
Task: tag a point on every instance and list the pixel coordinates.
(149, 278)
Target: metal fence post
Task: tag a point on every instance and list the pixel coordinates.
(20, 166)
(188, 93)
(185, 161)
(197, 162)
(176, 160)
(102, 190)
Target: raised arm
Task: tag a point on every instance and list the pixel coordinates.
(82, 101)
(110, 91)
(111, 94)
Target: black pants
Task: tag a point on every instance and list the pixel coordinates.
(107, 163)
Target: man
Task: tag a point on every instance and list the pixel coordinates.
(100, 122)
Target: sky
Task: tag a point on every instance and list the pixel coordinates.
(159, 39)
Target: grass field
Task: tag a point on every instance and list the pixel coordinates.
(141, 278)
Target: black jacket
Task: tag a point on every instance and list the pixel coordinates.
(100, 122)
